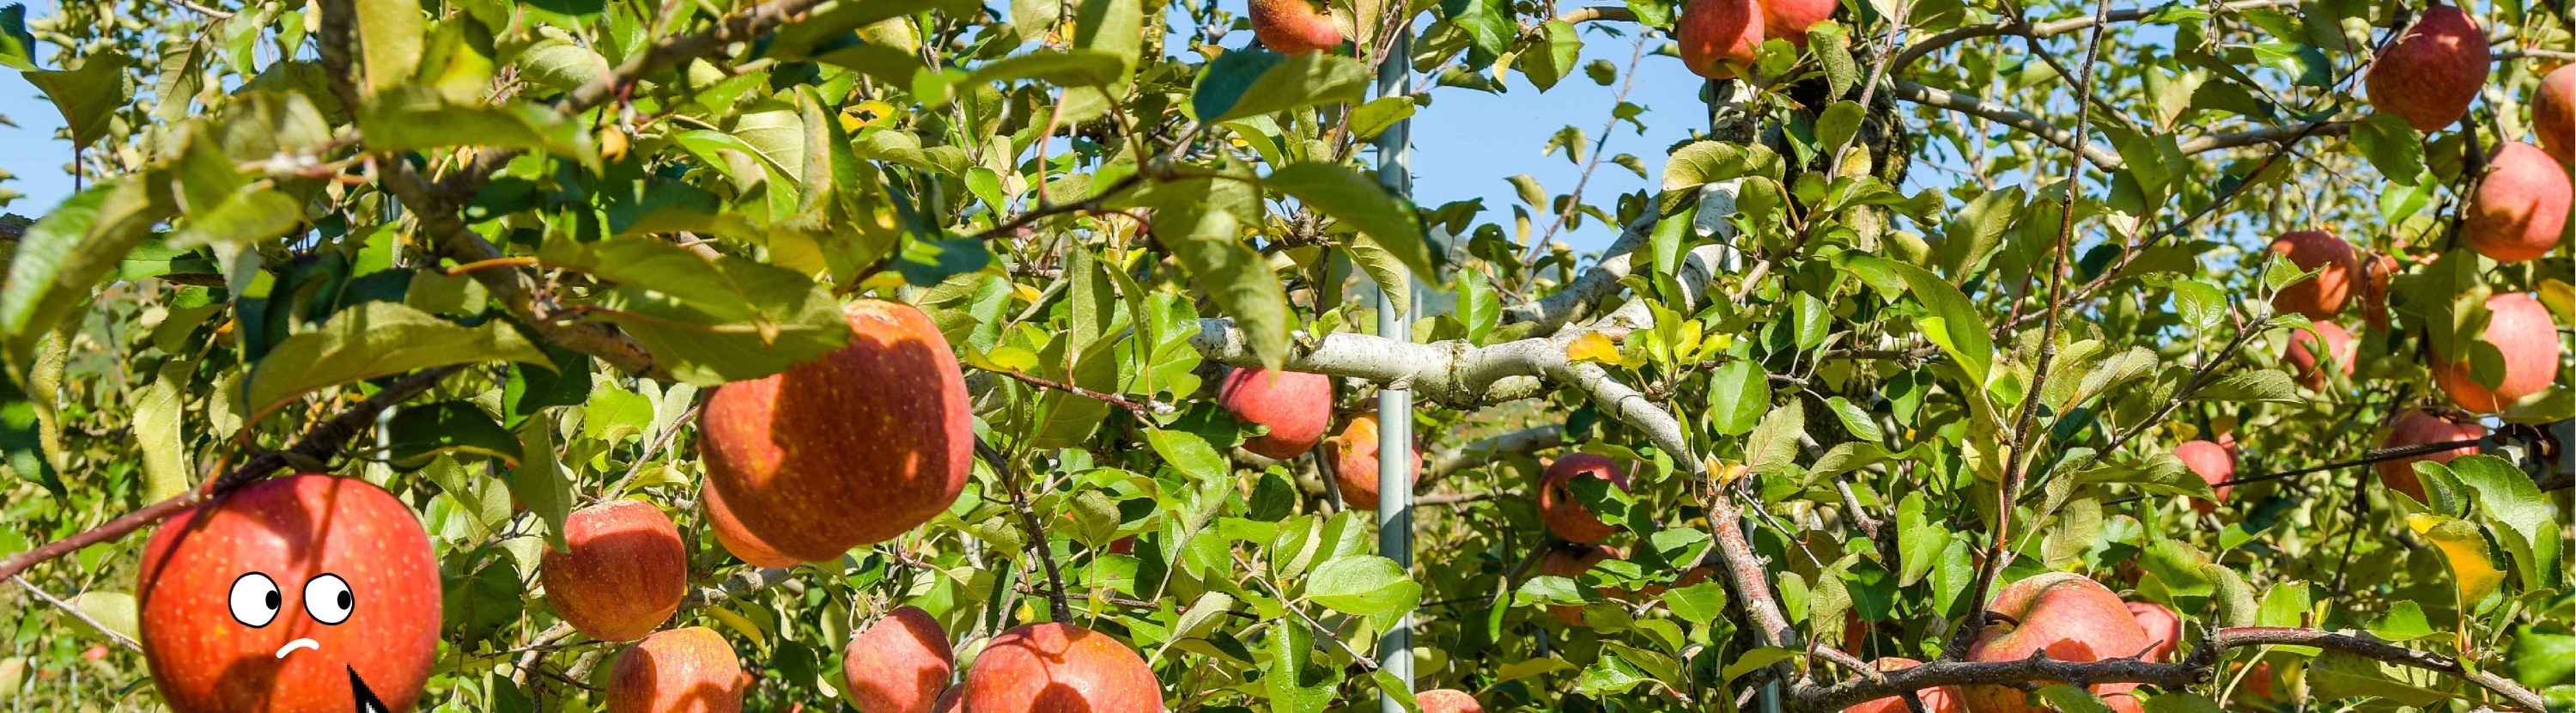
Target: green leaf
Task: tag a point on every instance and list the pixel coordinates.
(1063, 68)
(62, 257)
(1478, 307)
(1206, 243)
(2259, 385)
(558, 63)
(1700, 603)
(1375, 117)
(160, 418)
(1774, 443)
(1838, 124)
(1825, 39)
(389, 40)
(540, 482)
(1295, 682)
(2200, 304)
(2524, 521)
(413, 118)
(88, 95)
(1187, 452)
(707, 321)
(2182, 568)
(1754, 660)
(17, 46)
(2391, 144)
(1918, 539)
(2069, 699)
(2338, 675)
(1738, 394)
(1337, 191)
(1363, 585)
(1552, 56)
(372, 340)
(2404, 622)
(421, 433)
(1952, 322)
(116, 611)
(1253, 82)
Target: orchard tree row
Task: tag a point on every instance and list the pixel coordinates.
(1969, 356)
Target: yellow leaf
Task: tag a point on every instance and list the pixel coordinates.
(738, 623)
(2560, 297)
(2465, 548)
(1026, 293)
(1594, 346)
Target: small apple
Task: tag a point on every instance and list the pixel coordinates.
(1297, 407)
(625, 572)
(2431, 73)
(1570, 562)
(1938, 699)
(2553, 114)
(688, 670)
(1294, 26)
(2522, 329)
(2323, 296)
(2520, 206)
(300, 594)
(2303, 353)
(2163, 626)
(2415, 428)
(2215, 463)
(734, 539)
(900, 664)
(852, 448)
(1353, 458)
(1557, 506)
(1719, 38)
(1447, 700)
(2069, 617)
(1060, 668)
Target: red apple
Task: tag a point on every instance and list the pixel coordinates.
(2415, 428)
(736, 540)
(2520, 206)
(900, 664)
(689, 670)
(2163, 626)
(2521, 328)
(2432, 72)
(1297, 407)
(272, 597)
(1938, 699)
(2215, 463)
(2553, 114)
(623, 576)
(2323, 296)
(1719, 38)
(2064, 614)
(2377, 269)
(1060, 668)
(1447, 700)
(850, 449)
(1789, 19)
(1570, 562)
(2302, 355)
(1294, 26)
(1557, 506)
(1353, 456)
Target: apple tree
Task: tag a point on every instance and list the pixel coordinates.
(1970, 355)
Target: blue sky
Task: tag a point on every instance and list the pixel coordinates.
(1465, 143)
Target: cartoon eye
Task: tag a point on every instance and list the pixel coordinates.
(254, 600)
(328, 599)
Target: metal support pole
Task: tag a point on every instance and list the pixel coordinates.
(1395, 405)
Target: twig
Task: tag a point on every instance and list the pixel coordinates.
(318, 445)
(1574, 200)
(652, 449)
(741, 584)
(1146, 410)
(203, 10)
(76, 613)
(2027, 122)
(1365, 661)
(2017, 460)
(1058, 606)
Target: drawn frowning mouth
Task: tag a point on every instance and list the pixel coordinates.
(291, 646)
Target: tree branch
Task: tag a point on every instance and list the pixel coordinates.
(2199, 669)
(321, 442)
(2029, 123)
(76, 613)
(1481, 452)
(1578, 298)
(743, 583)
(2049, 29)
